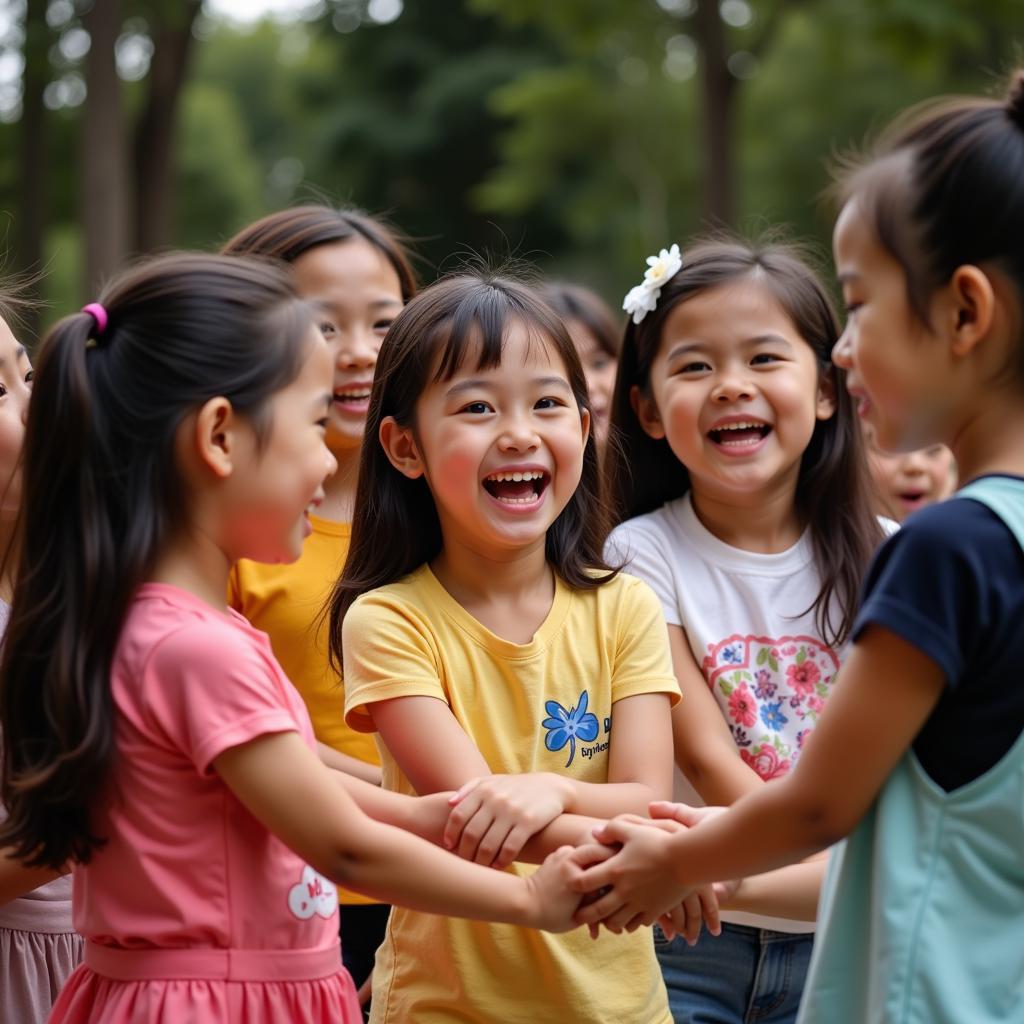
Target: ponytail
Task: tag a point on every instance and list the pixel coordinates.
(102, 496)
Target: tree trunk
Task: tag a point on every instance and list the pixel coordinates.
(33, 172)
(717, 128)
(106, 193)
(154, 138)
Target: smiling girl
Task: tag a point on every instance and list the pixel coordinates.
(492, 649)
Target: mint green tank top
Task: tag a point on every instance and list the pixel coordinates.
(922, 911)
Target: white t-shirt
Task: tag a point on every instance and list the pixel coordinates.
(749, 622)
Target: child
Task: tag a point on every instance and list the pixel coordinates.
(359, 275)
(150, 735)
(919, 757)
(596, 335)
(38, 945)
(482, 633)
(907, 481)
(741, 459)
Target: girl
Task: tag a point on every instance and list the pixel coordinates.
(907, 481)
(919, 757)
(358, 273)
(150, 734)
(482, 633)
(596, 335)
(741, 459)
(38, 946)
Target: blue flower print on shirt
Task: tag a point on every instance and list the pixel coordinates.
(732, 655)
(772, 716)
(568, 726)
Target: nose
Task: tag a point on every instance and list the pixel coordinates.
(517, 434)
(914, 464)
(330, 463)
(732, 387)
(357, 349)
(842, 351)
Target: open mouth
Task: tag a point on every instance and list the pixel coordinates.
(743, 434)
(358, 395)
(519, 487)
(912, 498)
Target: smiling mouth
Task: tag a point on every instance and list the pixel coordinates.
(517, 488)
(352, 395)
(739, 435)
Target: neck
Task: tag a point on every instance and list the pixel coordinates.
(195, 563)
(340, 489)
(764, 522)
(992, 440)
(473, 577)
(8, 557)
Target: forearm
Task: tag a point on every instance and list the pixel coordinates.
(397, 809)
(17, 880)
(350, 765)
(565, 830)
(718, 774)
(391, 865)
(790, 892)
(788, 828)
(607, 799)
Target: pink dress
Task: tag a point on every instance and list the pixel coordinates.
(193, 913)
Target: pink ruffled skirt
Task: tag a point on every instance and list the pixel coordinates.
(208, 986)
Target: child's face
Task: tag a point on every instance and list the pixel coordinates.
(894, 370)
(735, 390)
(908, 481)
(272, 490)
(599, 368)
(361, 295)
(475, 431)
(15, 391)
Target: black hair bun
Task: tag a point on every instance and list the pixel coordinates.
(1015, 98)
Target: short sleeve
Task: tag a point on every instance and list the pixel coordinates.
(643, 662)
(930, 582)
(389, 652)
(209, 688)
(643, 553)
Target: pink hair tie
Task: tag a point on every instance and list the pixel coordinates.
(98, 313)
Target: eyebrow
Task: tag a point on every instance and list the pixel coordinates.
(478, 382)
(847, 275)
(18, 353)
(758, 339)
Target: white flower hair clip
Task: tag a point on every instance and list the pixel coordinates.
(642, 299)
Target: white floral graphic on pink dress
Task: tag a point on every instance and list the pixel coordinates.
(314, 894)
(771, 692)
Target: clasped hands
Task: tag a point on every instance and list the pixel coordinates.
(493, 817)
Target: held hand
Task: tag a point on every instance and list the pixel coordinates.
(684, 814)
(430, 816)
(701, 907)
(642, 887)
(553, 887)
(492, 817)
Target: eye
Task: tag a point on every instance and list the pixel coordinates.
(764, 359)
(383, 325)
(852, 307)
(3, 390)
(477, 408)
(550, 403)
(30, 376)
(600, 362)
(327, 328)
(695, 366)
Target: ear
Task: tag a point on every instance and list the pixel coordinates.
(215, 436)
(825, 406)
(973, 303)
(647, 413)
(585, 424)
(400, 447)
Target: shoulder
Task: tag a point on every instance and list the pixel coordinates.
(623, 599)
(409, 597)
(212, 644)
(660, 531)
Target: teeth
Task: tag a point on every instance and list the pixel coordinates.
(516, 477)
(744, 425)
(343, 395)
(519, 501)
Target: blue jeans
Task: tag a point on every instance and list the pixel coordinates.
(745, 976)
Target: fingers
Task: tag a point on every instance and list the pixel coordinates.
(618, 830)
(513, 846)
(604, 907)
(691, 929)
(493, 843)
(459, 817)
(465, 789)
(596, 877)
(592, 853)
(475, 830)
(709, 909)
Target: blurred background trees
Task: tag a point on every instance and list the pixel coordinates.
(579, 134)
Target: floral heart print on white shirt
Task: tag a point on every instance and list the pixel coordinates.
(313, 895)
(771, 692)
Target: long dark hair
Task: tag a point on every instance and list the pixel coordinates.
(833, 489)
(290, 233)
(575, 302)
(396, 527)
(102, 497)
(945, 187)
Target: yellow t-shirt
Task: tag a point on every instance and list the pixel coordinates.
(287, 603)
(542, 706)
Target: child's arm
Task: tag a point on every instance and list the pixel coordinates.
(436, 755)
(350, 765)
(16, 879)
(883, 695)
(704, 748)
(490, 820)
(284, 785)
